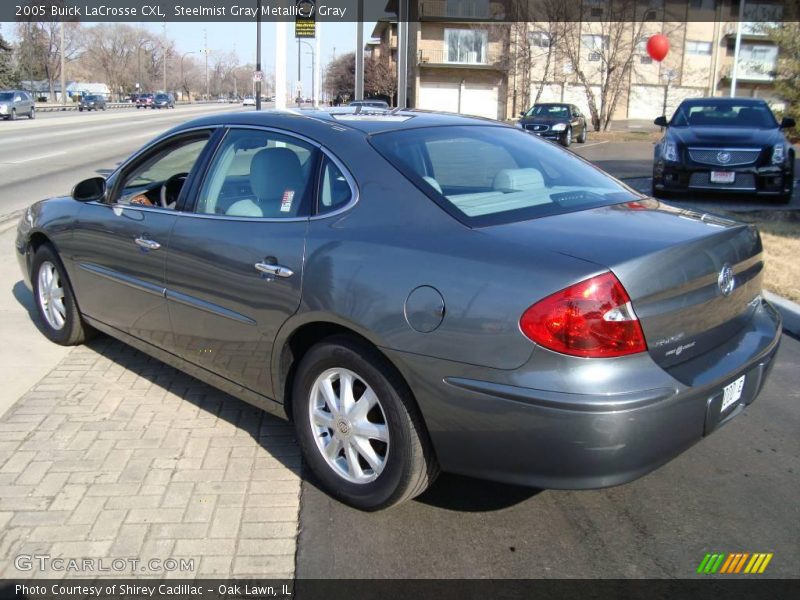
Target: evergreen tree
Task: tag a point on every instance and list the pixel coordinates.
(8, 76)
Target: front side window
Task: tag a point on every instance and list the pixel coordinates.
(259, 174)
(157, 178)
(484, 175)
(466, 46)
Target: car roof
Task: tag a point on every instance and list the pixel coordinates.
(721, 100)
(366, 121)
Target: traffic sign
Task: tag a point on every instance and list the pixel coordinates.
(258, 76)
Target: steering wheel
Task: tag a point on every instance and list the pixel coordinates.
(171, 188)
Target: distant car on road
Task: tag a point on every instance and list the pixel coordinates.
(417, 291)
(92, 102)
(144, 101)
(370, 103)
(16, 103)
(731, 145)
(249, 101)
(556, 121)
(163, 101)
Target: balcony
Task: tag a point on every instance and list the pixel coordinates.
(750, 70)
(487, 60)
(456, 10)
(750, 29)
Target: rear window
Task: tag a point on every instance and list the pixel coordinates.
(485, 175)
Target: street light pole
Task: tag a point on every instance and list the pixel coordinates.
(313, 68)
(164, 48)
(63, 78)
(258, 54)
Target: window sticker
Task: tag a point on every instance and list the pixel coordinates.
(286, 202)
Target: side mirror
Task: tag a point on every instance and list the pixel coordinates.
(522, 114)
(90, 190)
(788, 123)
(661, 121)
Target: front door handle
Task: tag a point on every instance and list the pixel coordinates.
(143, 242)
(274, 270)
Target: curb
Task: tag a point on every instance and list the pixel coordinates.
(790, 311)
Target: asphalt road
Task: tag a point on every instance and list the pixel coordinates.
(47, 156)
(735, 491)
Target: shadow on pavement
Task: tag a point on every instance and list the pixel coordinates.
(23, 295)
(465, 494)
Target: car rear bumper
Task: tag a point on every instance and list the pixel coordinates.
(496, 430)
(769, 180)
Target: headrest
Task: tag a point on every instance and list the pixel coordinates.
(518, 179)
(274, 171)
(244, 208)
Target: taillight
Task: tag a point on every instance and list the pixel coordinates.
(593, 318)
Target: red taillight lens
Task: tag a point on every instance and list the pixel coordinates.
(593, 318)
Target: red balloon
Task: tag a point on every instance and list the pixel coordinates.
(658, 47)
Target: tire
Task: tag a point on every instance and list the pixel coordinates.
(566, 141)
(401, 467)
(13, 114)
(582, 137)
(784, 198)
(32, 114)
(72, 331)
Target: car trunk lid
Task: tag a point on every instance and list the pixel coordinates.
(672, 262)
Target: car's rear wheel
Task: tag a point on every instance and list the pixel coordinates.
(583, 135)
(55, 301)
(358, 426)
(13, 114)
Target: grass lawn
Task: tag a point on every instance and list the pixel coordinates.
(780, 234)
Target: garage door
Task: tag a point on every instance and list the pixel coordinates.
(645, 102)
(479, 100)
(439, 96)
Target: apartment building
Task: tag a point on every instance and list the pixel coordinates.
(464, 58)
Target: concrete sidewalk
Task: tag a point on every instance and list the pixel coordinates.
(106, 454)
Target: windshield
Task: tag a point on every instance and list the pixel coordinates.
(6, 96)
(486, 175)
(161, 97)
(723, 114)
(549, 110)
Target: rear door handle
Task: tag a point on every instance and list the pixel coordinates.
(143, 242)
(274, 270)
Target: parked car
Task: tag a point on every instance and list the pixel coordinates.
(164, 101)
(731, 145)
(144, 101)
(249, 101)
(370, 103)
(416, 292)
(92, 102)
(16, 103)
(556, 121)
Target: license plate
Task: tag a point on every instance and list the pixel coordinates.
(723, 177)
(732, 393)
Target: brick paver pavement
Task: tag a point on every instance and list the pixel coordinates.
(115, 455)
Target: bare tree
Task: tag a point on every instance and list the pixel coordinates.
(40, 50)
(601, 49)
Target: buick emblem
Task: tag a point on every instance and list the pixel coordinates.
(725, 280)
(724, 157)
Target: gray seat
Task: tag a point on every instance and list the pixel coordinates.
(276, 178)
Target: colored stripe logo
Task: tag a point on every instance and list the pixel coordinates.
(734, 563)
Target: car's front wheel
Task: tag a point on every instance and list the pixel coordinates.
(32, 114)
(55, 302)
(566, 140)
(13, 114)
(358, 426)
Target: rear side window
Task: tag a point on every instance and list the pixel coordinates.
(334, 190)
(486, 175)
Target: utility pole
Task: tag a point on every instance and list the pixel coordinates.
(317, 68)
(205, 51)
(280, 65)
(164, 46)
(737, 48)
(359, 87)
(402, 53)
(63, 77)
(257, 84)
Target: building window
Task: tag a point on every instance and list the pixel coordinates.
(645, 60)
(698, 48)
(595, 44)
(540, 39)
(595, 7)
(703, 4)
(466, 46)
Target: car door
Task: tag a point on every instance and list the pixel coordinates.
(235, 264)
(119, 244)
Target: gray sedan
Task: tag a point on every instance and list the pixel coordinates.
(416, 292)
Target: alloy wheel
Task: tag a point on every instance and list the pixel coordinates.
(349, 425)
(51, 296)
